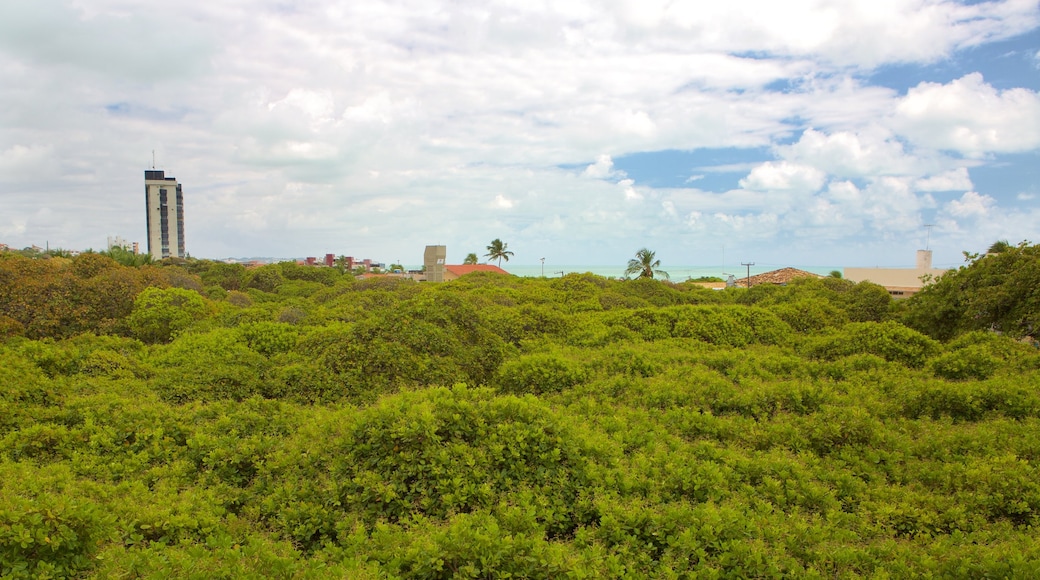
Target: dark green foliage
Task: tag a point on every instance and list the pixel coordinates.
(227, 276)
(160, 314)
(49, 527)
(269, 338)
(321, 275)
(889, 340)
(993, 292)
(265, 278)
(212, 366)
(971, 362)
(540, 373)
(306, 427)
(730, 325)
(432, 454)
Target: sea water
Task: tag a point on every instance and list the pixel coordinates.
(675, 273)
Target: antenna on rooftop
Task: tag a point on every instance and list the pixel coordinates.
(153, 158)
(928, 236)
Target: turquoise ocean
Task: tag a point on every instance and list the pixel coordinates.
(675, 273)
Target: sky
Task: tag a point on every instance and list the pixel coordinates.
(804, 133)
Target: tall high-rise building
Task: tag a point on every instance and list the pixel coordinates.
(165, 214)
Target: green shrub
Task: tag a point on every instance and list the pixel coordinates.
(161, 313)
(540, 373)
(428, 454)
(890, 340)
(972, 362)
(730, 325)
(212, 366)
(269, 338)
(49, 528)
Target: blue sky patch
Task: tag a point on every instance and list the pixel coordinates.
(716, 169)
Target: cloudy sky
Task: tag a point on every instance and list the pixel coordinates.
(807, 133)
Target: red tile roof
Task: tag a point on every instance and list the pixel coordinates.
(462, 270)
(781, 276)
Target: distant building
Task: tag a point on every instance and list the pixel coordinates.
(164, 204)
(436, 270)
(900, 282)
(433, 262)
(117, 242)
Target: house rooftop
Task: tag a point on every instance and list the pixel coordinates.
(462, 270)
(781, 276)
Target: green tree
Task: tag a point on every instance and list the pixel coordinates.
(341, 264)
(645, 265)
(160, 313)
(127, 257)
(498, 251)
(993, 292)
(471, 259)
(999, 247)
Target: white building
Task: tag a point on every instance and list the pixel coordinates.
(164, 204)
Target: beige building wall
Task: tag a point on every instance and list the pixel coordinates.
(898, 281)
(433, 262)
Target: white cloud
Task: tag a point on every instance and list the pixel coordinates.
(631, 193)
(317, 105)
(25, 161)
(873, 151)
(856, 32)
(285, 121)
(783, 176)
(120, 44)
(953, 180)
(970, 205)
(970, 116)
(602, 168)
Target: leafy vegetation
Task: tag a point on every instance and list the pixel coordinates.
(201, 420)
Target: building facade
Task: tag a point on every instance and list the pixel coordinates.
(164, 203)
(900, 282)
(433, 262)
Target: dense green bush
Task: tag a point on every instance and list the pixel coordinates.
(303, 426)
(540, 373)
(49, 528)
(160, 314)
(889, 340)
(211, 366)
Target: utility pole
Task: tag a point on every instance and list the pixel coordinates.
(748, 264)
(543, 267)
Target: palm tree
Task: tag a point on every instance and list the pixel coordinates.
(470, 260)
(645, 265)
(497, 251)
(999, 247)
